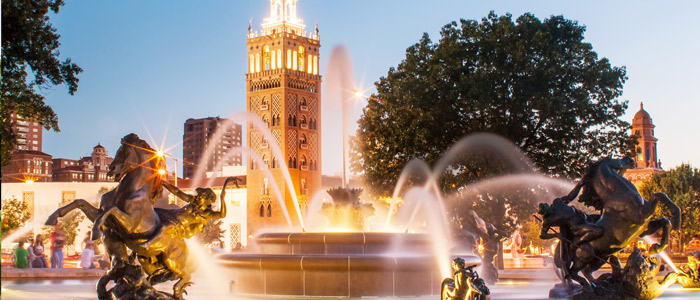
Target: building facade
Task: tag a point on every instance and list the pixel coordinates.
(29, 133)
(647, 160)
(28, 166)
(91, 168)
(284, 91)
(197, 137)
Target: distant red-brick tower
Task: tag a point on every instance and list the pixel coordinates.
(284, 90)
(647, 159)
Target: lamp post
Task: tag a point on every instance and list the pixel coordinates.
(163, 155)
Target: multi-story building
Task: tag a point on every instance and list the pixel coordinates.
(284, 90)
(199, 133)
(647, 160)
(28, 166)
(91, 168)
(28, 133)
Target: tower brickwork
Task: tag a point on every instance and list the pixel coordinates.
(647, 160)
(284, 90)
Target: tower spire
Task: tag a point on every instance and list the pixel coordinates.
(283, 18)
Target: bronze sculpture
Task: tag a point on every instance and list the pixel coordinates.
(587, 242)
(466, 284)
(690, 273)
(491, 237)
(126, 219)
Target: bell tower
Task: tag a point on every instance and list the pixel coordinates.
(284, 90)
(647, 161)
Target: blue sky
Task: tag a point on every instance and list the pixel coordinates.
(150, 65)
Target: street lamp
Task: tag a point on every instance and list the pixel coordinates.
(162, 155)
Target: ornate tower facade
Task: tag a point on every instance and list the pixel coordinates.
(647, 160)
(284, 90)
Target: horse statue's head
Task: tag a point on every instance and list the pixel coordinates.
(134, 154)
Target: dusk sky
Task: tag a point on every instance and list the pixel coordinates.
(150, 65)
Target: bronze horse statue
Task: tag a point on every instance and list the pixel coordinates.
(624, 217)
(126, 218)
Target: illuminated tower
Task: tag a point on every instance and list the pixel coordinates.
(284, 89)
(647, 161)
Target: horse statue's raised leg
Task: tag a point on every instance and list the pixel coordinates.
(661, 223)
(90, 211)
(176, 261)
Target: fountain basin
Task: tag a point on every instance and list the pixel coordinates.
(338, 264)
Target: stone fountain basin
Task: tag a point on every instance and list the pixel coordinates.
(336, 265)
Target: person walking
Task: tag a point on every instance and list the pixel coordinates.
(19, 256)
(38, 250)
(58, 240)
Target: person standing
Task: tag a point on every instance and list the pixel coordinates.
(20, 256)
(31, 257)
(38, 250)
(58, 240)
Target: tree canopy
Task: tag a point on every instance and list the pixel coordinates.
(536, 83)
(30, 45)
(682, 185)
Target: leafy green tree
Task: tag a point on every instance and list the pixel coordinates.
(29, 41)
(682, 185)
(15, 214)
(536, 83)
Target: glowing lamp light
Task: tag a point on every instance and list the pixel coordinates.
(30, 181)
(358, 93)
(160, 153)
(161, 171)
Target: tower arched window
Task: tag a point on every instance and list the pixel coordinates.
(290, 163)
(301, 58)
(269, 210)
(262, 210)
(266, 160)
(267, 61)
(274, 162)
(294, 162)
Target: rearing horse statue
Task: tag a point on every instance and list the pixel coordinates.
(624, 217)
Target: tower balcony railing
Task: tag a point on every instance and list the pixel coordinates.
(304, 146)
(280, 71)
(264, 107)
(304, 167)
(304, 191)
(303, 107)
(264, 145)
(304, 126)
(264, 191)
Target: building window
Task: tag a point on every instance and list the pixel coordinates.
(267, 61)
(269, 210)
(235, 234)
(289, 59)
(262, 210)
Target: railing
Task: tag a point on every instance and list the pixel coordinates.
(304, 146)
(264, 191)
(264, 107)
(304, 126)
(264, 145)
(303, 107)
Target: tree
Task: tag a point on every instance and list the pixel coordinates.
(536, 83)
(682, 185)
(15, 214)
(29, 40)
